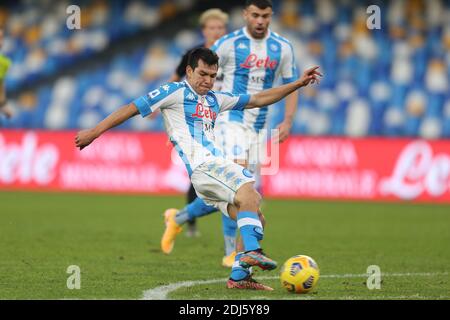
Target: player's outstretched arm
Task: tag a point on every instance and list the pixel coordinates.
(85, 137)
(270, 96)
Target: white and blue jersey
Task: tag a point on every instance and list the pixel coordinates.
(251, 65)
(189, 118)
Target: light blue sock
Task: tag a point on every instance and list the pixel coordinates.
(251, 229)
(237, 272)
(229, 227)
(195, 209)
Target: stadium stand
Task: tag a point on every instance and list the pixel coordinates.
(391, 81)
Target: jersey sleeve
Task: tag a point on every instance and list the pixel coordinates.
(229, 101)
(161, 97)
(289, 70)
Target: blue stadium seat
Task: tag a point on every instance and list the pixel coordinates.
(342, 65)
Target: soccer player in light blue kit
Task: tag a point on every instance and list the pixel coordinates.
(190, 110)
(251, 59)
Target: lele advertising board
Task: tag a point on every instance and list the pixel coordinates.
(317, 168)
(117, 162)
(362, 169)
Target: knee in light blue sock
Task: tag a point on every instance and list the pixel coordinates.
(195, 209)
(199, 208)
(251, 229)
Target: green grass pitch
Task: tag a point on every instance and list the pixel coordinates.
(114, 239)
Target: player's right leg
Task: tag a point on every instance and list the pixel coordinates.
(175, 219)
(171, 231)
(192, 230)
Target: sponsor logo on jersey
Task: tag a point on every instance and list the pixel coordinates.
(252, 61)
(202, 111)
(210, 100)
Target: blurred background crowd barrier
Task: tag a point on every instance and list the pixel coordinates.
(319, 168)
(385, 92)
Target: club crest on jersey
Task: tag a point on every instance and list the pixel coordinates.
(210, 100)
(273, 47)
(252, 60)
(204, 112)
(247, 173)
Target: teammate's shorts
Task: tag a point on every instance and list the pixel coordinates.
(239, 142)
(217, 181)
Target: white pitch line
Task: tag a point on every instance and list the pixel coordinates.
(161, 292)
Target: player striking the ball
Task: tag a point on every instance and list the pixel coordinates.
(251, 59)
(189, 109)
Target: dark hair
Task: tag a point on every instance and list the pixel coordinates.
(206, 55)
(261, 4)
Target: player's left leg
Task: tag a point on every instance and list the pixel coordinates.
(229, 186)
(241, 275)
(252, 145)
(234, 141)
(251, 223)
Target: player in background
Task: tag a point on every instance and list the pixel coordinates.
(189, 110)
(251, 59)
(4, 66)
(213, 24)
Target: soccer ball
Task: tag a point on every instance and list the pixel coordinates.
(299, 274)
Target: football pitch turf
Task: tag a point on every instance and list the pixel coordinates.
(114, 239)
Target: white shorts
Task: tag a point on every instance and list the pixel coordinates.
(239, 142)
(216, 182)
